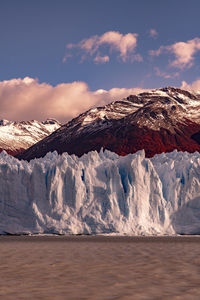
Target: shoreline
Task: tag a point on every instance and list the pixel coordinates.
(99, 238)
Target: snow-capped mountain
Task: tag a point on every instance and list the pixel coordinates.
(157, 121)
(17, 136)
(101, 193)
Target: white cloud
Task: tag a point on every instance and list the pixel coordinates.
(125, 45)
(194, 86)
(183, 51)
(153, 33)
(26, 99)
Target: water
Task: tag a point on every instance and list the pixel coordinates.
(86, 267)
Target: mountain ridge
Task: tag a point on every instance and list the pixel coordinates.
(157, 121)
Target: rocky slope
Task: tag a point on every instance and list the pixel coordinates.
(157, 121)
(17, 136)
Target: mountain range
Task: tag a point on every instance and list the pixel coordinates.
(157, 121)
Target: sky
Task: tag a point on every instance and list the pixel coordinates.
(59, 58)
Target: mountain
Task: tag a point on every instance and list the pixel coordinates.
(157, 121)
(17, 136)
(101, 193)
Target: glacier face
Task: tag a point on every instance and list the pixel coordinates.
(101, 193)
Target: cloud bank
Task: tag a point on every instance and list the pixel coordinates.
(125, 45)
(27, 99)
(184, 52)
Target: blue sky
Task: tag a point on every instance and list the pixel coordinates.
(35, 36)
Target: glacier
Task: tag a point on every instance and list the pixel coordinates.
(101, 193)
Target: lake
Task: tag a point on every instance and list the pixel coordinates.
(99, 267)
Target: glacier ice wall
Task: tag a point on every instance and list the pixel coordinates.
(101, 193)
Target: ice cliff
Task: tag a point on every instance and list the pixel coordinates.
(101, 193)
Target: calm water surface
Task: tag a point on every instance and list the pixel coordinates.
(57, 267)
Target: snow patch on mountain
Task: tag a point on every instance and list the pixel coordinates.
(101, 193)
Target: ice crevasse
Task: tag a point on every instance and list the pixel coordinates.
(101, 193)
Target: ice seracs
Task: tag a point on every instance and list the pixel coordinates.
(101, 193)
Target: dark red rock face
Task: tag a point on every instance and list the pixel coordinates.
(148, 121)
(153, 142)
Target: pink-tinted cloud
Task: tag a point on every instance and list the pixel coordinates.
(125, 45)
(153, 33)
(164, 74)
(136, 57)
(183, 51)
(101, 59)
(66, 57)
(194, 86)
(116, 93)
(89, 45)
(26, 99)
